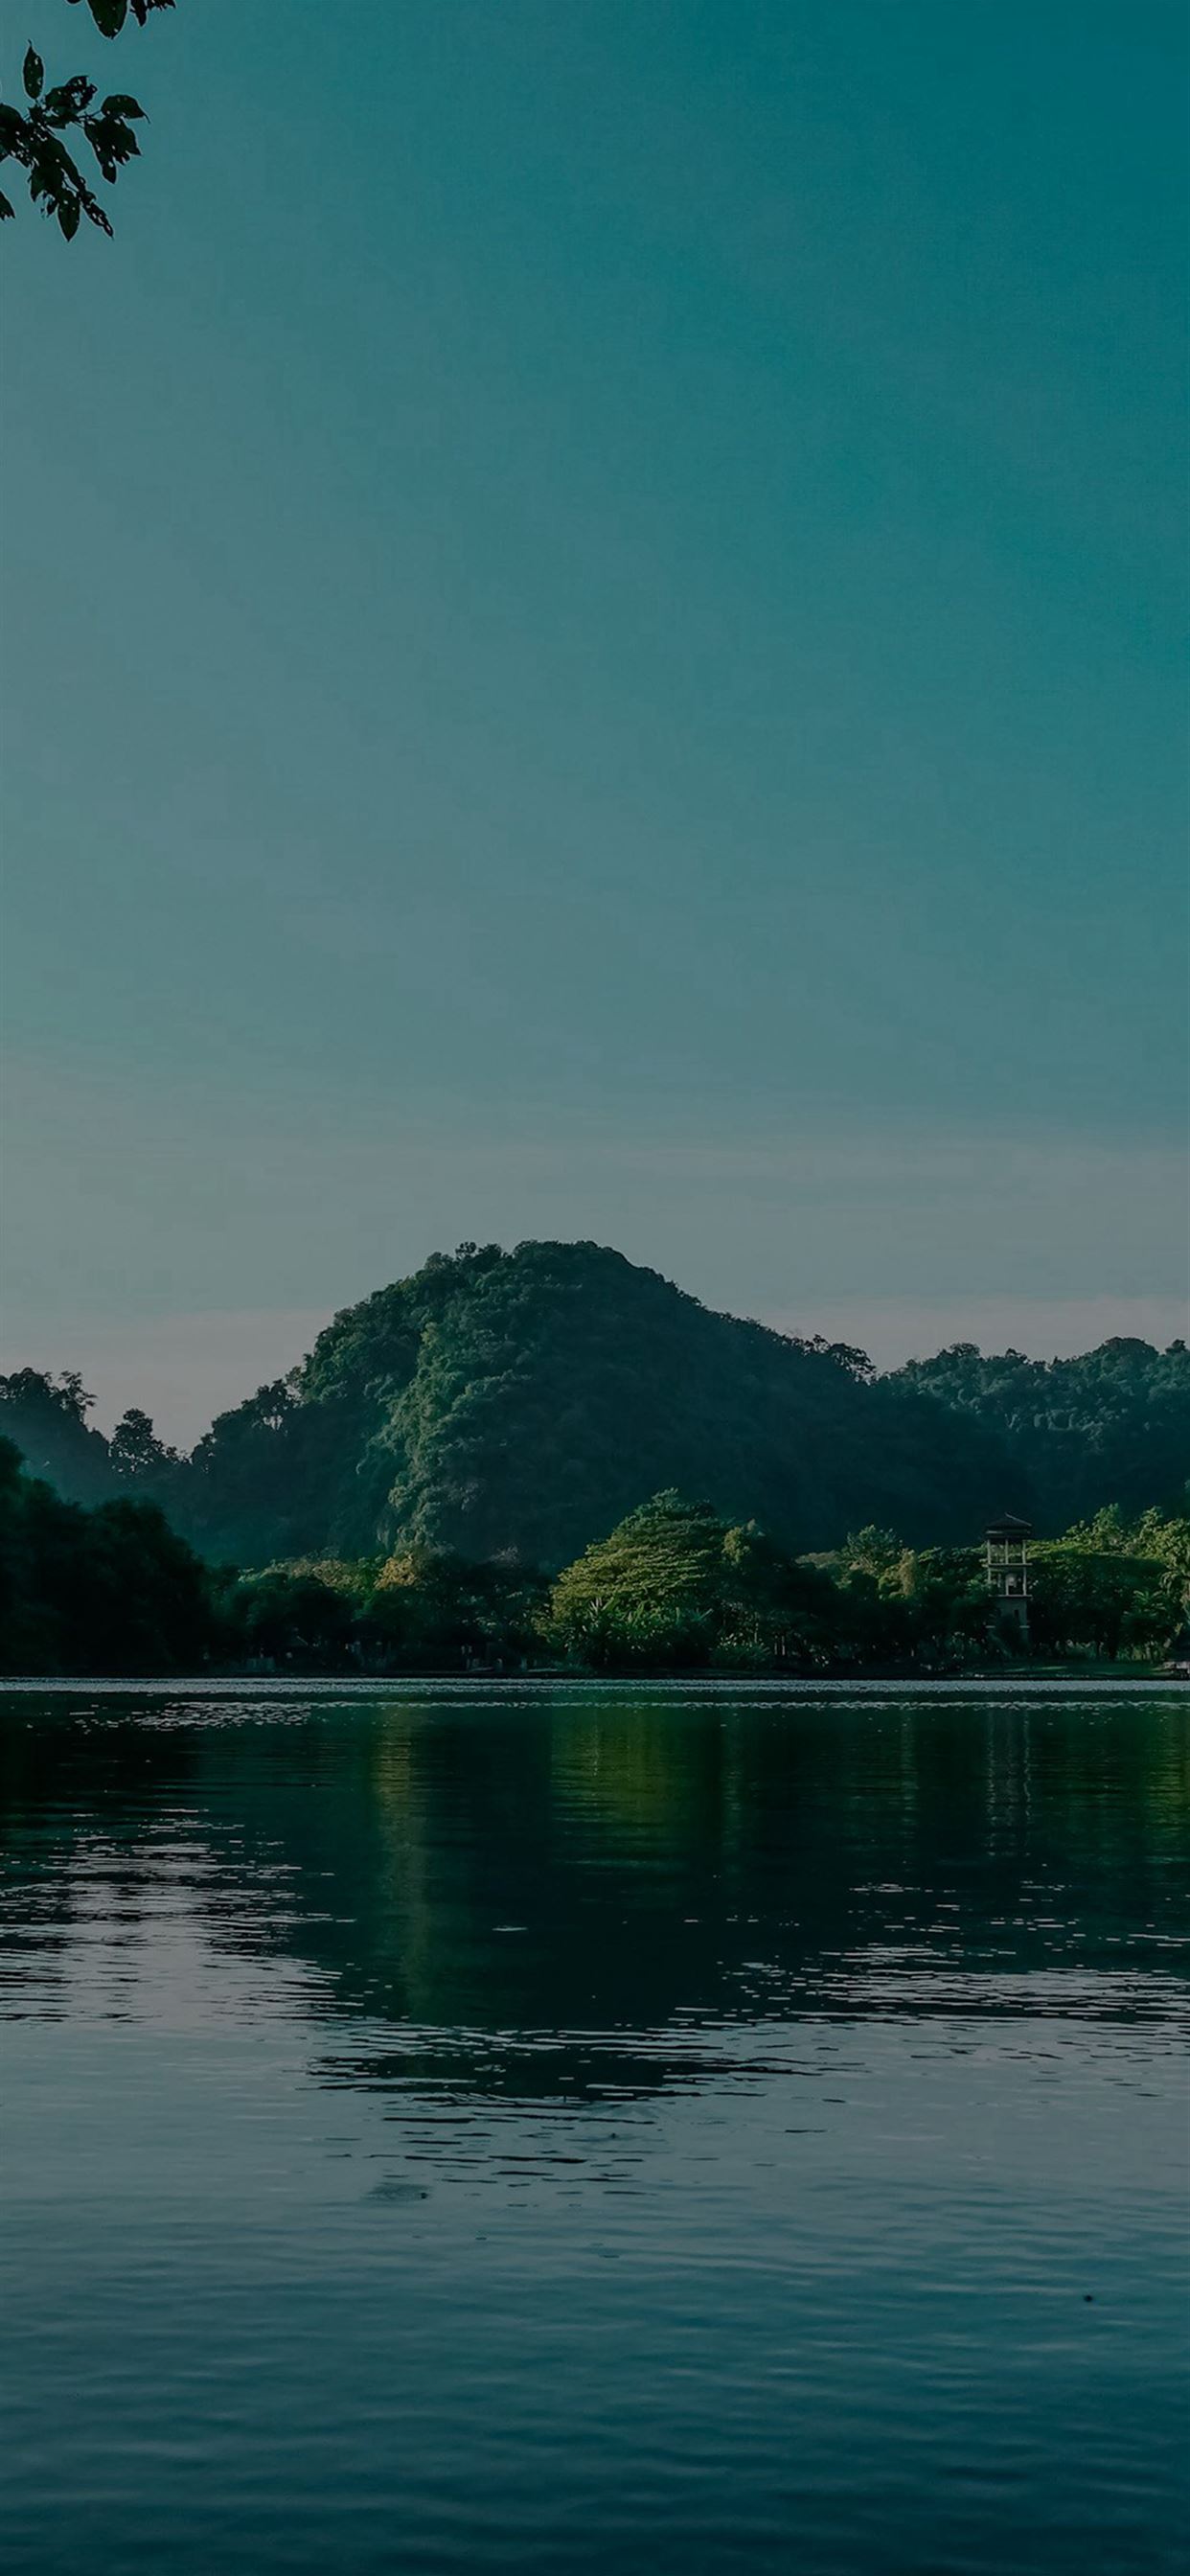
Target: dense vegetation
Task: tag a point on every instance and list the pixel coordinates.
(513, 1407)
(1110, 1426)
(676, 1585)
(519, 1403)
(104, 1591)
(674, 1588)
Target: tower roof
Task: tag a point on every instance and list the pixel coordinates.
(1008, 1526)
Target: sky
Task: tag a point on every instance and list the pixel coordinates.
(595, 647)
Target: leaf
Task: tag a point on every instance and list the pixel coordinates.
(65, 104)
(118, 105)
(5, 209)
(68, 216)
(109, 15)
(112, 143)
(33, 74)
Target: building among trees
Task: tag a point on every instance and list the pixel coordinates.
(1007, 1546)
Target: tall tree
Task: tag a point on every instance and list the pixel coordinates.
(134, 1451)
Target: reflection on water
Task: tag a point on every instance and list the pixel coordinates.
(467, 2128)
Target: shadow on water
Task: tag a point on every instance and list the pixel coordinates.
(523, 1893)
(687, 2132)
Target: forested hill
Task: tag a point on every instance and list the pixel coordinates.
(522, 1403)
(525, 1401)
(1112, 1426)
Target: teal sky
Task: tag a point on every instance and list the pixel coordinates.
(595, 632)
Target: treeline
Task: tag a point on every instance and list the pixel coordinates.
(675, 1588)
(110, 1590)
(1114, 1422)
(522, 1402)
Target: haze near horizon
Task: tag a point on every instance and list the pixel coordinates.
(600, 655)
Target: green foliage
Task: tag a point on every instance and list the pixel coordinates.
(647, 1594)
(432, 1609)
(518, 1404)
(1162, 1536)
(283, 1616)
(32, 135)
(1109, 1605)
(419, 1611)
(523, 1401)
(242, 1490)
(677, 1586)
(1112, 1424)
(355, 1579)
(46, 1417)
(135, 1454)
(929, 1607)
(1112, 1587)
(875, 1552)
(111, 1590)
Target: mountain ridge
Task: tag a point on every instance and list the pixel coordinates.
(519, 1403)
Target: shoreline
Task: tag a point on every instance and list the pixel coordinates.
(361, 1685)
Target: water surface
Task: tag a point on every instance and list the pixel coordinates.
(470, 2127)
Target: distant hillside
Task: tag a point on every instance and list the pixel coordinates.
(526, 1401)
(46, 1419)
(521, 1403)
(1112, 1426)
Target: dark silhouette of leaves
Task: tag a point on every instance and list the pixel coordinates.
(64, 105)
(30, 136)
(109, 15)
(111, 139)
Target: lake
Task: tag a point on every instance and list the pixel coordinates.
(473, 2127)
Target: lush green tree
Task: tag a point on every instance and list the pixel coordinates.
(953, 1618)
(771, 1608)
(112, 1590)
(430, 1609)
(523, 1401)
(46, 1417)
(353, 1577)
(285, 1617)
(1111, 1425)
(1164, 1537)
(878, 1553)
(649, 1594)
(927, 1607)
(1113, 1586)
(676, 1585)
(34, 134)
(135, 1454)
(844, 1355)
(243, 1493)
(520, 1404)
(1107, 1604)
